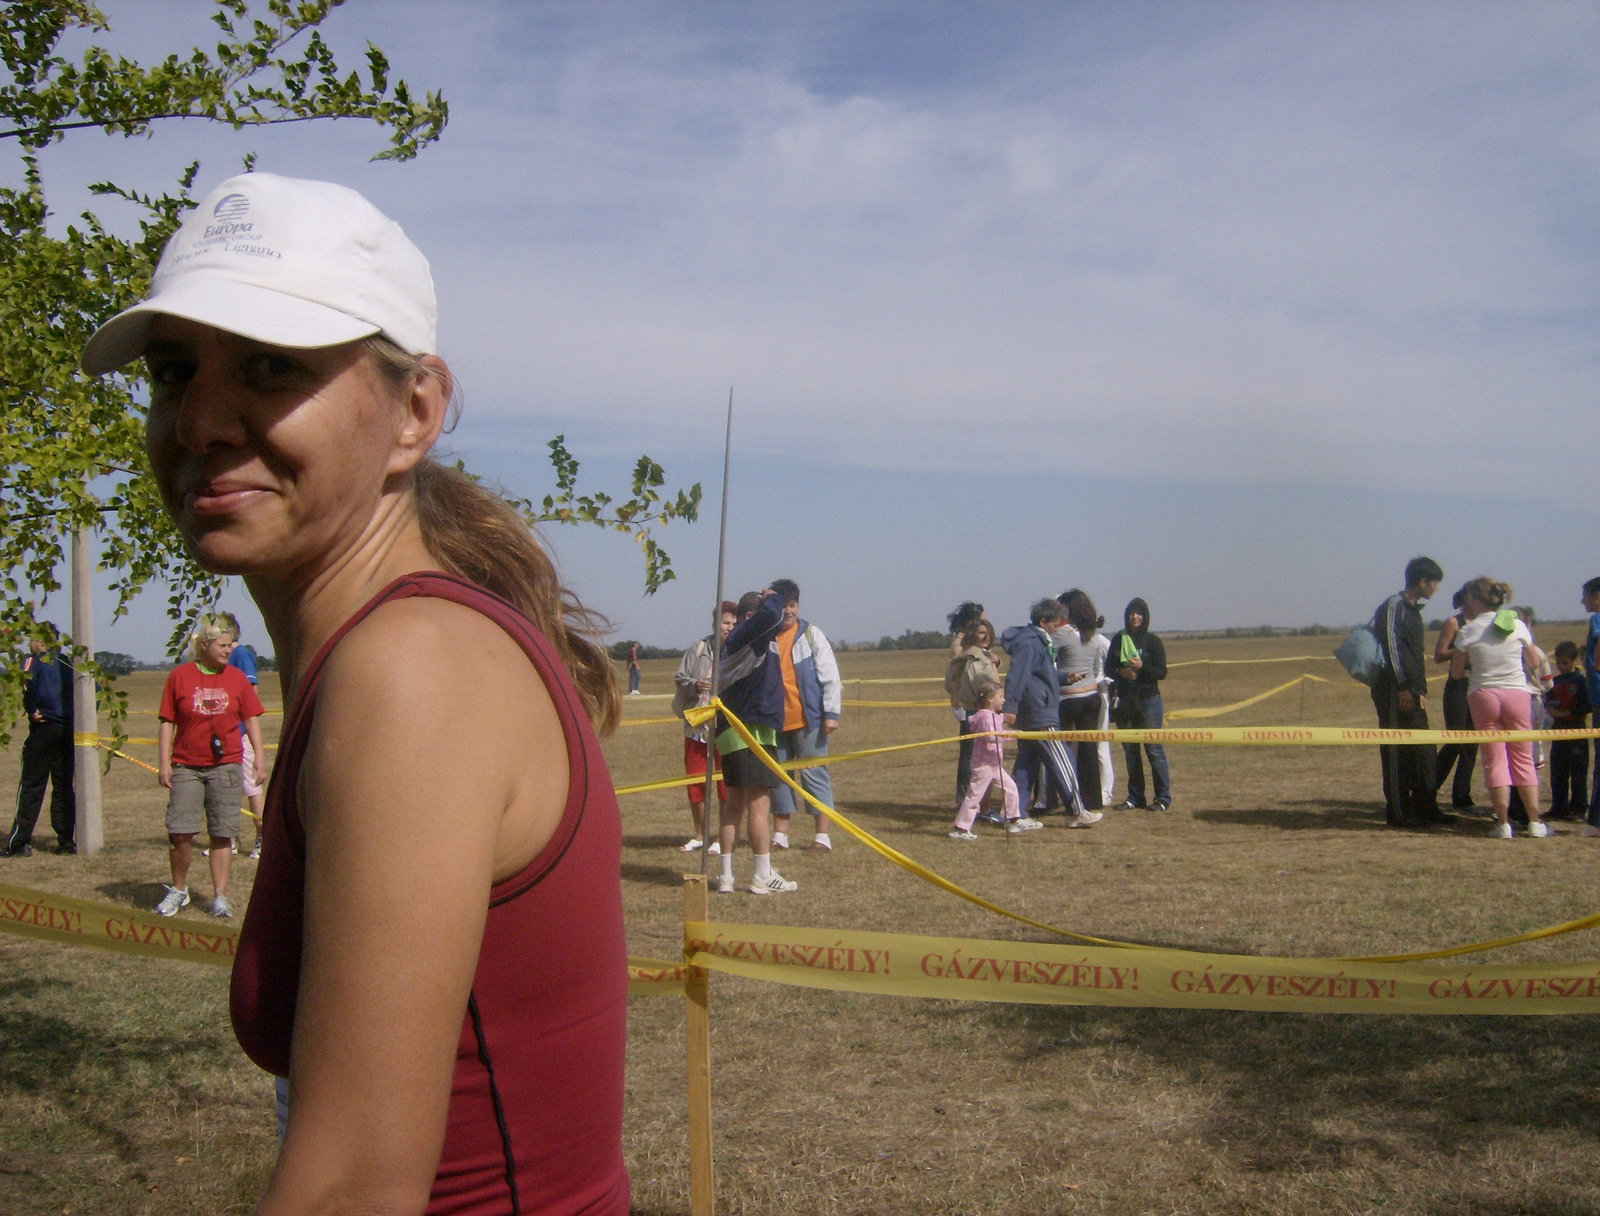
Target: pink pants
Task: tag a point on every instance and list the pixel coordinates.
(983, 776)
(1504, 709)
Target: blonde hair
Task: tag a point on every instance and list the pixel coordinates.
(1488, 592)
(475, 534)
(208, 627)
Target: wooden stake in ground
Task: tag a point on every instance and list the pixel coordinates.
(697, 1028)
(85, 717)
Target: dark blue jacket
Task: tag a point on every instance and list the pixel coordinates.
(1033, 689)
(48, 688)
(750, 674)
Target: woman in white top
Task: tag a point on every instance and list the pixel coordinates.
(1080, 691)
(1501, 653)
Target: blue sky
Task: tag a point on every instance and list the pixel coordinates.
(1235, 307)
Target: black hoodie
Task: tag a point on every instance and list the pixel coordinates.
(1151, 652)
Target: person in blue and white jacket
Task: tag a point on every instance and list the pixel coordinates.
(812, 696)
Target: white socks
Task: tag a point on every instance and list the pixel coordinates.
(727, 866)
(763, 865)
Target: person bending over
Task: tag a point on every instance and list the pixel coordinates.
(752, 690)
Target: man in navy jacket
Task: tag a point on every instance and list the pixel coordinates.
(1033, 698)
(46, 754)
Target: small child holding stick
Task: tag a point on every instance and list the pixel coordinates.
(988, 757)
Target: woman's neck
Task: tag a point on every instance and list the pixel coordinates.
(307, 606)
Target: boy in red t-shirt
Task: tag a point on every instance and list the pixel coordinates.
(203, 706)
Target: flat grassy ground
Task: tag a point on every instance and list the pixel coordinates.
(121, 1089)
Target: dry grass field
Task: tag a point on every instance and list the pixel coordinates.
(121, 1089)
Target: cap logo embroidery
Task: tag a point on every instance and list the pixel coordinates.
(231, 207)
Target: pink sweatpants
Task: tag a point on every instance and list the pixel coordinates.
(983, 776)
(1504, 709)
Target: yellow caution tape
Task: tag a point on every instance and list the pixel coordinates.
(656, 977)
(1216, 711)
(1295, 736)
(898, 704)
(1288, 658)
(944, 884)
(78, 922)
(967, 969)
(648, 721)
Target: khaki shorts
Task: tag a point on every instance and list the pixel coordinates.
(205, 798)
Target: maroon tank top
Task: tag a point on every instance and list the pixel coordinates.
(535, 1121)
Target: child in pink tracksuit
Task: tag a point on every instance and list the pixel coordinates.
(988, 755)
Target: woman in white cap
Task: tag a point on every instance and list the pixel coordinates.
(433, 952)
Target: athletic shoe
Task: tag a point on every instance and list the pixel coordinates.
(991, 817)
(172, 901)
(1128, 804)
(1160, 804)
(221, 908)
(773, 884)
(22, 850)
(1501, 831)
(724, 884)
(1017, 826)
(69, 849)
(693, 846)
(255, 850)
(959, 834)
(1538, 829)
(1086, 820)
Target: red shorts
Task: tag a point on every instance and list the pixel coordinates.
(694, 765)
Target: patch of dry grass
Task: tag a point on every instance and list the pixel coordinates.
(112, 1069)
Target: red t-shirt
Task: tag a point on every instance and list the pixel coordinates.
(200, 706)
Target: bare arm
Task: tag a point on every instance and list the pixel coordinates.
(1447, 634)
(392, 933)
(164, 750)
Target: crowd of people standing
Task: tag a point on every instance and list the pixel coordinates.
(1497, 679)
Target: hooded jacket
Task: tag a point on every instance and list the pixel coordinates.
(1147, 683)
(1033, 690)
(750, 673)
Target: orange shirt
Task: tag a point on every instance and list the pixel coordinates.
(794, 714)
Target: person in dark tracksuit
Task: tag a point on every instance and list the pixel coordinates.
(1400, 695)
(1457, 716)
(1137, 663)
(1032, 703)
(46, 754)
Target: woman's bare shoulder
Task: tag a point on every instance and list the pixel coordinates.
(429, 655)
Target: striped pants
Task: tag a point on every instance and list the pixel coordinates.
(1046, 763)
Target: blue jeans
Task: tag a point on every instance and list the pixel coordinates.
(1148, 715)
(633, 679)
(803, 744)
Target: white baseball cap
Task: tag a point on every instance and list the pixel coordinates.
(285, 261)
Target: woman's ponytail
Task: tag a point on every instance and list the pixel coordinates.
(475, 534)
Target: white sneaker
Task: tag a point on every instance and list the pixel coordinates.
(773, 884)
(1017, 826)
(1501, 831)
(693, 846)
(221, 908)
(172, 901)
(724, 884)
(255, 850)
(962, 834)
(1086, 820)
(1539, 828)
